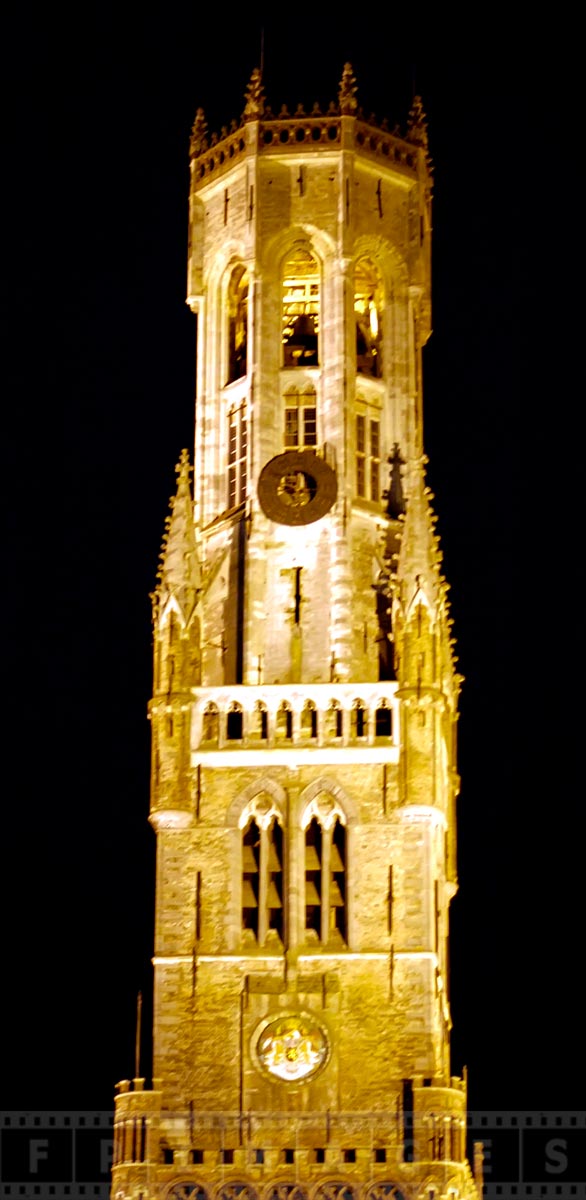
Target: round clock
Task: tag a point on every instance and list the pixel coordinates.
(291, 1047)
(297, 487)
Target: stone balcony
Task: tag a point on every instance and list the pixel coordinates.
(284, 723)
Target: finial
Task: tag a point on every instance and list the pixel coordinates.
(417, 125)
(347, 92)
(199, 131)
(255, 101)
(183, 468)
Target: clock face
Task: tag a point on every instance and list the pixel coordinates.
(292, 1047)
(297, 488)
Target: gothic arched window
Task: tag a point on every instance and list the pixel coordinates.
(368, 309)
(300, 309)
(250, 876)
(262, 873)
(237, 323)
(325, 874)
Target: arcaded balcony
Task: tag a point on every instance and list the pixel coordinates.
(360, 722)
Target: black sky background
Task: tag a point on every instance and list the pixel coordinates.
(98, 403)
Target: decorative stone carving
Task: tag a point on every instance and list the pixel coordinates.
(255, 101)
(347, 92)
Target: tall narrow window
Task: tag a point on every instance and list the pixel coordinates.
(262, 877)
(337, 888)
(275, 879)
(313, 878)
(300, 309)
(250, 877)
(325, 875)
(237, 324)
(300, 419)
(368, 452)
(361, 455)
(237, 455)
(368, 307)
(374, 460)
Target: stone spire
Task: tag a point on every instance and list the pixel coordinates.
(420, 556)
(255, 98)
(347, 93)
(179, 574)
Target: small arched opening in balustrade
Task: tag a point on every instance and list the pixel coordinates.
(210, 731)
(284, 725)
(234, 723)
(383, 720)
(309, 720)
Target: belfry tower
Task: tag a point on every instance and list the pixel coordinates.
(305, 695)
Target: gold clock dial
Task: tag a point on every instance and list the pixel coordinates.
(297, 488)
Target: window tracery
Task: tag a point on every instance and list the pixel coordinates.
(325, 871)
(262, 871)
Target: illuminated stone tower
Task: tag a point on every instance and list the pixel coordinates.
(305, 696)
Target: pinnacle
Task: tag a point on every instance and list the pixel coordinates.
(347, 92)
(179, 572)
(420, 556)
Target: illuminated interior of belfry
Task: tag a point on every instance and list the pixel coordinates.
(305, 694)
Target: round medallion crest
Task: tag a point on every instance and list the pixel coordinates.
(292, 1047)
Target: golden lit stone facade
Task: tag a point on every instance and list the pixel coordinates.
(305, 695)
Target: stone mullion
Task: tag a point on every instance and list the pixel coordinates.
(326, 848)
(263, 887)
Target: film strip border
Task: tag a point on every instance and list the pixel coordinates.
(532, 1155)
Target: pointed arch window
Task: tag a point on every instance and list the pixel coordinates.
(301, 305)
(368, 310)
(262, 876)
(325, 876)
(237, 324)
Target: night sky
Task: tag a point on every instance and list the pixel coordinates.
(98, 403)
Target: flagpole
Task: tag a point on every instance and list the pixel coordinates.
(137, 1041)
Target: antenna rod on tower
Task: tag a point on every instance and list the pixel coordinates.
(137, 1041)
